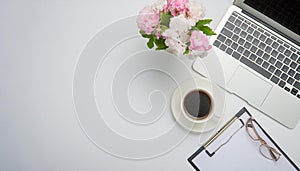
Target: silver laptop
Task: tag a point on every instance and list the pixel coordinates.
(257, 44)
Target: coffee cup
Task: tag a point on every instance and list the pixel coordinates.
(197, 105)
(202, 114)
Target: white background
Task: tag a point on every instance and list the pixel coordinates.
(40, 43)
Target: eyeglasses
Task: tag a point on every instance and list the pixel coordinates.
(265, 150)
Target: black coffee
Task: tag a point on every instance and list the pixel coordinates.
(197, 104)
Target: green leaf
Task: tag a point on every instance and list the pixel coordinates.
(142, 32)
(163, 28)
(150, 42)
(201, 25)
(165, 19)
(206, 30)
(187, 51)
(160, 43)
(203, 22)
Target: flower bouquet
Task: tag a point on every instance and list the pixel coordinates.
(177, 26)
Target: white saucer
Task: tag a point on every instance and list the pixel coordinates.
(189, 85)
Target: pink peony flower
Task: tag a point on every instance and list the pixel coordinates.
(199, 41)
(147, 19)
(177, 7)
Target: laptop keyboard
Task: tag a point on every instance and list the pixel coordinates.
(262, 51)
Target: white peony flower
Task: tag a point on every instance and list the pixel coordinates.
(196, 11)
(180, 24)
(174, 42)
(170, 33)
(197, 53)
(175, 47)
(159, 5)
(184, 37)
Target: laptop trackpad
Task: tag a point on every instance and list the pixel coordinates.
(249, 86)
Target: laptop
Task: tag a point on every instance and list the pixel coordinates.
(257, 44)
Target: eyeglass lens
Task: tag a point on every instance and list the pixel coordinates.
(265, 149)
(269, 152)
(251, 130)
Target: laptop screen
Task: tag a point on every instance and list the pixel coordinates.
(285, 12)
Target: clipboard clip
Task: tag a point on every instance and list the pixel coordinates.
(220, 132)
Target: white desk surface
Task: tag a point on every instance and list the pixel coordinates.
(40, 43)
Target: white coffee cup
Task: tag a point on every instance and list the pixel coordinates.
(197, 104)
(180, 113)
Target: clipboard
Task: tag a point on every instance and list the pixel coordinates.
(231, 148)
